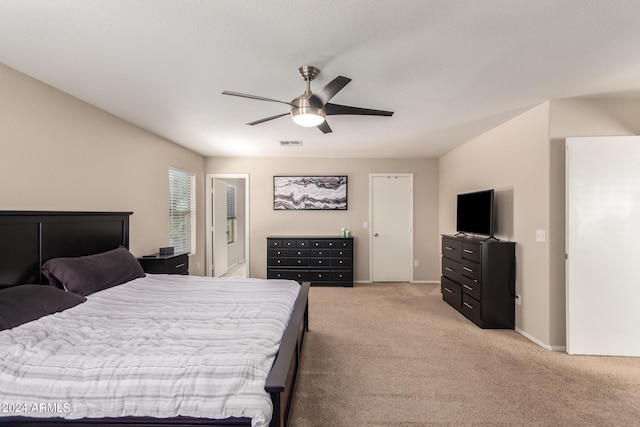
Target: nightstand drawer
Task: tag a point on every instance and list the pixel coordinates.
(166, 264)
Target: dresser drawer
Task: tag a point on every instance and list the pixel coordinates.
(471, 270)
(346, 243)
(319, 253)
(277, 261)
(471, 251)
(341, 253)
(275, 243)
(324, 262)
(289, 243)
(299, 276)
(340, 262)
(341, 276)
(471, 287)
(320, 276)
(302, 244)
(299, 252)
(451, 292)
(274, 273)
(452, 249)
(471, 309)
(451, 269)
(299, 261)
(316, 243)
(277, 253)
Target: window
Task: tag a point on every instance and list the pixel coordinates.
(182, 210)
(231, 214)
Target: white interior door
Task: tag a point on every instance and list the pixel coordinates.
(391, 227)
(603, 219)
(242, 212)
(219, 229)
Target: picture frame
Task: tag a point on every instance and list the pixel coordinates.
(310, 192)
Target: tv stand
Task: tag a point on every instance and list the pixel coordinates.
(478, 279)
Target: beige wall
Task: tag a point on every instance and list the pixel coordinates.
(59, 153)
(524, 160)
(513, 159)
(577, 117)
(265, 221)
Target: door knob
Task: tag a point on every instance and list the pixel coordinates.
(375, 235)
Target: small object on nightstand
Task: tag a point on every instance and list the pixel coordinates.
(165, 264)
(168, 250)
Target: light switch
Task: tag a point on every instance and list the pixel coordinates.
(540, 236)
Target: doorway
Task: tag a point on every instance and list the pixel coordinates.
(391, 227)
(227, 225)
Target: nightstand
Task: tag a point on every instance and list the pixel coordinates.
(165, 264)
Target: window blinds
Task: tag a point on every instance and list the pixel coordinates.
(182, 210)
(231, 202)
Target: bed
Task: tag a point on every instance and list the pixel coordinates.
(29, 240)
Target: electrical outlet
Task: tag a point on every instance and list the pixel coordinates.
(416, 263)
(518, 299)
(540, 236)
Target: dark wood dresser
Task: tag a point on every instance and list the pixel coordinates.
(320, 260)
(478, 280)
(165, 264)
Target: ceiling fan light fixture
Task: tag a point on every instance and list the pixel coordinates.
(308, 116)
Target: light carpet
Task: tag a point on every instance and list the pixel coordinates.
(395, 354)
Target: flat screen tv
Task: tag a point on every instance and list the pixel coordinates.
(474, 213)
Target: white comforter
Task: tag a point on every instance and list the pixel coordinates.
(160, 346)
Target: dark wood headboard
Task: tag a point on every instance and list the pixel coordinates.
(29, 238)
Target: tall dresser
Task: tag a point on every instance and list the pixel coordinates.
(478, 280)
(320, 260)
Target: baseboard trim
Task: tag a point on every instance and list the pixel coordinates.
(413, 281)
(560, 348)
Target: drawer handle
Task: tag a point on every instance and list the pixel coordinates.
(448, 290)
(468, 305)
(180, 265)
(469, 251)
(448, 269)
(449, 248)
(468, 287)
(467, 269)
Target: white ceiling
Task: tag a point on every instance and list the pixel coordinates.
(450, 69)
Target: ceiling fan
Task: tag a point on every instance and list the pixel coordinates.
(310, 109)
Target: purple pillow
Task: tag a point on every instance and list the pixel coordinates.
(24, 303)
(88, 274)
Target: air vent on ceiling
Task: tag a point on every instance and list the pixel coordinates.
(291, 143)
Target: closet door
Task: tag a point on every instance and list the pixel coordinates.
(603, 245)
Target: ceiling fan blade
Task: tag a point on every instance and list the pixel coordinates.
(325, 94)
(336, 109)
(259, 98)
(257, 122)
(324, 127)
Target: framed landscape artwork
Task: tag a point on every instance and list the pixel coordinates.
(310, 192)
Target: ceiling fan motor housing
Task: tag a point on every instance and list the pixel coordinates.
(304, 113)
